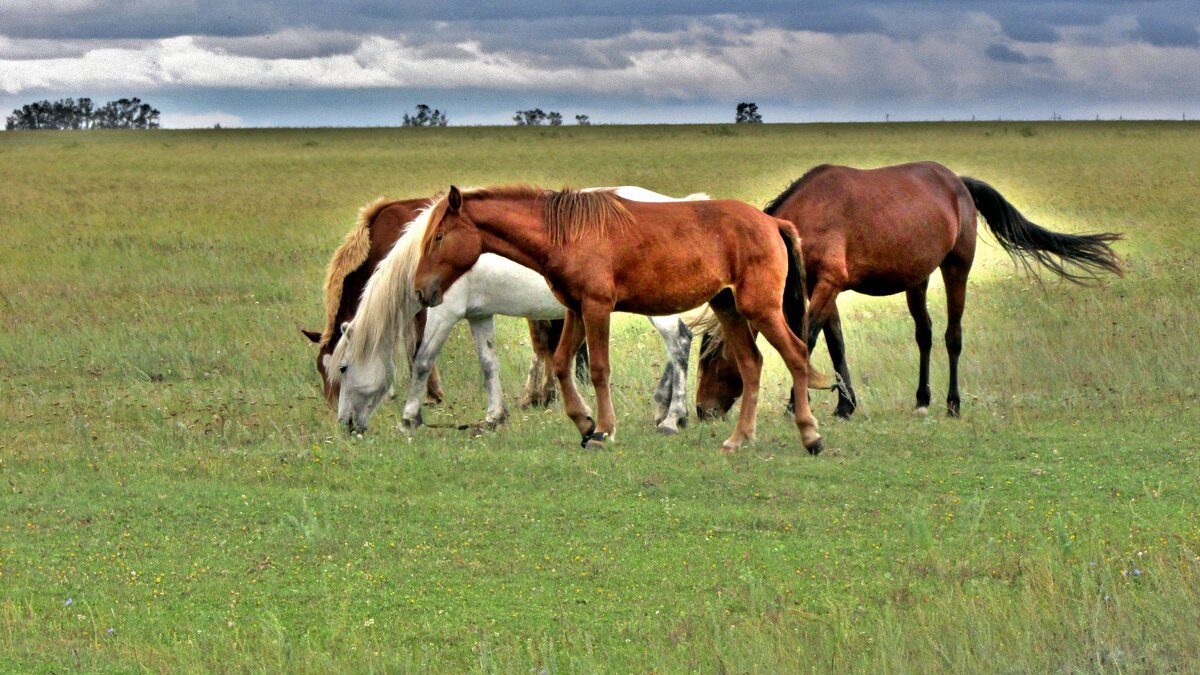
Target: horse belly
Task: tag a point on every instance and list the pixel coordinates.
(667, 300)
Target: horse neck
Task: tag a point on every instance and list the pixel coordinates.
(514, 229)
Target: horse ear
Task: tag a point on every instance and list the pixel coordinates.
(454, 199)
(312, 335)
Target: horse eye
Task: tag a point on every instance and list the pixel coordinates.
(342, 369)
(438, 238)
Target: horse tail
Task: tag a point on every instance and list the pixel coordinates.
(583, 365)
(1075, 257)
(795, 296)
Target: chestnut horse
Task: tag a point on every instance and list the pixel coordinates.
(379, 226)
(884, 231)
(601, 254)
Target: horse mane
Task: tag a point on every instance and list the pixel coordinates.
(388, 303)
(569, 214)
(774, 205)
(346, 260)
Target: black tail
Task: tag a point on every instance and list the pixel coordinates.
(583, 366)
(1075, 257)
(795, 297)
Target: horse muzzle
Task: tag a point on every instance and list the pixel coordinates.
(430, 296)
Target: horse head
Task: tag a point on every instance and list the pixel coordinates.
(362, 378)
(451, 246)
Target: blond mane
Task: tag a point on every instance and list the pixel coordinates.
(388, 303)
(348, 257)
(573, 214)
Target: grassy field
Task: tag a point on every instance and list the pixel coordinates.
(175, 496)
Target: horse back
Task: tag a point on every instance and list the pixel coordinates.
(878, 231)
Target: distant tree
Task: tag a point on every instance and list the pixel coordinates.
(537, 116)
(426, 117)
(69, 113)
(583, 120)
(126, 113)
(87, 110)
(530, 117)
(747, 113)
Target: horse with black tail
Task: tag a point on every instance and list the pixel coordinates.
(884, 231)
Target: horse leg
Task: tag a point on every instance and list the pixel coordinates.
(954, 274)
(484, 332)
(822, 304)
(437, 330)
(739, 343)
(671, 394)
(596, 326)
(775, 329)
(924, 335)
(433, 389)
(541, 367)
(564, 370)
(847, 400)
(662, 394)
(549, 392)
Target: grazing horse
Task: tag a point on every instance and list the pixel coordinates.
(493, 285)
(601, 253)
(884, 231)
(379, 225)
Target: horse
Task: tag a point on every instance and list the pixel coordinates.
(380, 223)
(494, 285)
(601, 253)
(884, 231)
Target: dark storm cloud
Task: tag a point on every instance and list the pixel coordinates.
(1024, 20)
(289, 44)
(1006, 54)
(1167, 32)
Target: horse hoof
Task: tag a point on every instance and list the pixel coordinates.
(667, 429)
(843, 414)
(816, 448)
(921, 410)
(952, 410)
(729, 447)
(595, 441)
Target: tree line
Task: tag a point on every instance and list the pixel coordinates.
(70, 113)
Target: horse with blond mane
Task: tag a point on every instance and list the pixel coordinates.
(493, 285)
(380, 224)
(601, 253)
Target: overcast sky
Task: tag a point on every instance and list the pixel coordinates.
(342, 63)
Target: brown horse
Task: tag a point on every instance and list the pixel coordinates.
(601, 254)
(884, 231)
(379, 225)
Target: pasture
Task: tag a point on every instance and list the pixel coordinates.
(176, 495)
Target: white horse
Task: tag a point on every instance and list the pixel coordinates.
(494, 285)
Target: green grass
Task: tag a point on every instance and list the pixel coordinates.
(175, 496)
